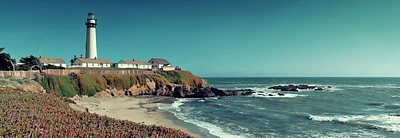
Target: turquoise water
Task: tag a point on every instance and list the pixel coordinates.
(353, 107)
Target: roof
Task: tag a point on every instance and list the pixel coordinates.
(135, 62)
(51, 60)
(88, 60)
(160, 60)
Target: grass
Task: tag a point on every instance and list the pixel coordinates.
(43, 115)
(60, 85)
(182, 77)
(90, 84)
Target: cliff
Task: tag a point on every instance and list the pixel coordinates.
(169, 83)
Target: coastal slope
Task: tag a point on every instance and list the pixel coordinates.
(180, 84)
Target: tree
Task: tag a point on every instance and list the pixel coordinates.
(51, 67)
(5, 61)
(29, 62)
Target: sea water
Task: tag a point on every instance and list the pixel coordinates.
(352, 107)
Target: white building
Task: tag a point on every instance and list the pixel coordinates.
(52, 61)
(91, 63)
(91, 46)
(159, 63)
(133, 64)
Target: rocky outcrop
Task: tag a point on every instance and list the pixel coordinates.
(23, 85)
(171, 90)
(299, 87)
(181, 84)
(204, 83)
(186, 91)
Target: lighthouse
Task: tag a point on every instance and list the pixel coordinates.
(91, 23)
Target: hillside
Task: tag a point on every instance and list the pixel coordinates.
(158, 83)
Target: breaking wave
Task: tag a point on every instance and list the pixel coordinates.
(382, 122)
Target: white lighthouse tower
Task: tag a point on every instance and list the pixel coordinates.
(91, 23)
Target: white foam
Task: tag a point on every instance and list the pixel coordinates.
(275, 95)
(213, 129)
(390, 123)
(391, 86)
(334, 118)
(383, 121)
(332, 134)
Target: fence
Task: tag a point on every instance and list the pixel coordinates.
(19, 74)
(31, 74)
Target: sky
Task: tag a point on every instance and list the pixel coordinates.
(217, 38)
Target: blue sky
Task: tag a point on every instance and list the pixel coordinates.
(211, 38)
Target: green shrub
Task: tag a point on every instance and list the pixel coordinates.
(67, 87)
(61, 85)
(181, 77)
(90, 84)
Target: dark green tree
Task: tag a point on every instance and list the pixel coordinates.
(29, 62)
(5, 61)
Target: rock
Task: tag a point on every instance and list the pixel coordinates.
(204, 83)
(292, 87)
(187, 91)
(219, 92)
(194, 92)
(102, 94)
(281, 94)
(179, 92)
(245, 90)
(289, 89)
(34, 88)
(247, 93)
(69, 100)
(201, 92)
(270, 95)
(319, 89)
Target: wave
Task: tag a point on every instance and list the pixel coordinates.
(175, 109)
(275, 95)
(357, 134)
(380, 105)
(390, 86)
(381, 122)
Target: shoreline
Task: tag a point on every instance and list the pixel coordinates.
(137, 109)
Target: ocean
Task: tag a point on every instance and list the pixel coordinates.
(352, 107)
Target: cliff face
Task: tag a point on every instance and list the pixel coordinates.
(170, 83)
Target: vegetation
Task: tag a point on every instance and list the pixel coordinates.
(182, 77)
(90, 84)
(5, 61)
(44, 115)
(29, 62)
(61, 85)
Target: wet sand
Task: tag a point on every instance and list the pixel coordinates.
(141, 109)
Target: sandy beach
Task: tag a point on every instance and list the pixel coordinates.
(142, 110)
